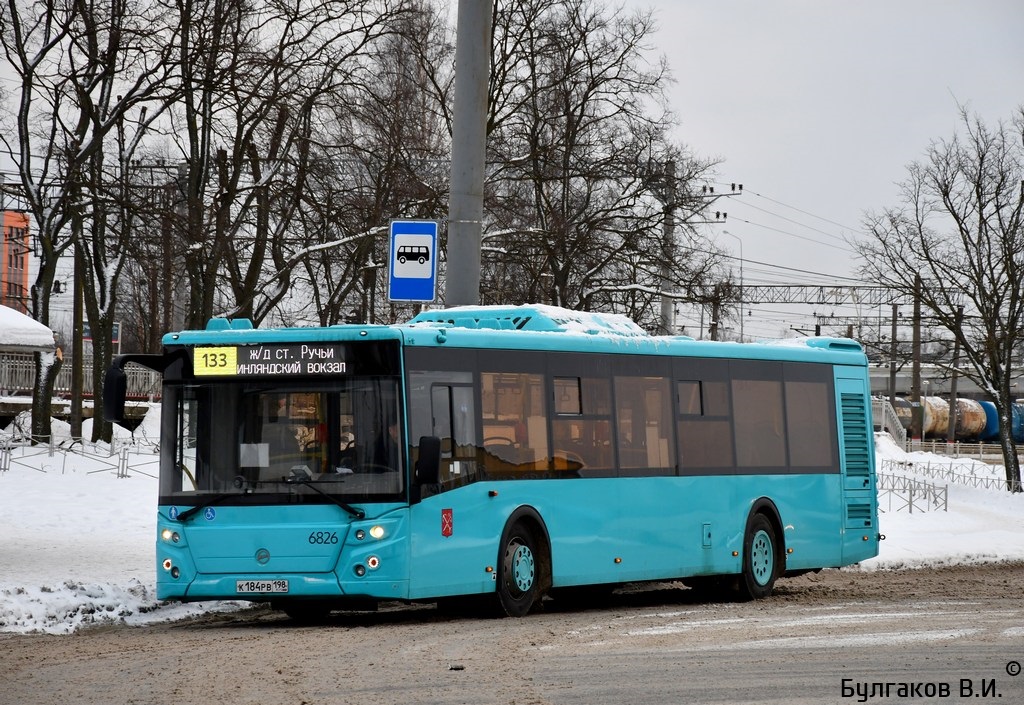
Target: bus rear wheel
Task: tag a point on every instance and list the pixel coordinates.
(519, 572)
(760, 559)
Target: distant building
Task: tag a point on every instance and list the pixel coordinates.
(15, 251)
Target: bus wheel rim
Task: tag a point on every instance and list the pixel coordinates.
(762, 556)
(523, 568)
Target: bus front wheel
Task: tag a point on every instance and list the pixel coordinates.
(760, 559)
(519, 572)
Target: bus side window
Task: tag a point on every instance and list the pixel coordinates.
(514, 418)
(441, 404)
(643, 415)
(581, 427)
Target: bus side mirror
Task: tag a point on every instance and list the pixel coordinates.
(115, 388)
(428, 467)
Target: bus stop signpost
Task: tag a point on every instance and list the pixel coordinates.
(412, 261)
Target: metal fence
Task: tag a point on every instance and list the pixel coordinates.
(958, 449)
(959, 473)
(898, 493)
(118, 460)
(18, 375)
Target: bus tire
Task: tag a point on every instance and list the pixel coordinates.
(519, 571)
(760, 559)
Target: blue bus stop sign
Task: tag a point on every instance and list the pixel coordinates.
(412, 266)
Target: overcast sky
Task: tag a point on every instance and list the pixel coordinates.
(818, 106)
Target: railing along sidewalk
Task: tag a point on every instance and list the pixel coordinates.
(897, 493)
(959, 473)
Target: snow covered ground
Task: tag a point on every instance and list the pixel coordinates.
(77, 541)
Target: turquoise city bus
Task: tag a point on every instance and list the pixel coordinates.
(510, 452)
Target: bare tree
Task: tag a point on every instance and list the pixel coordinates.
(256, 77)
(153, 265)
(577, 117)
(81, 70)
(382, 155)
(957, 239)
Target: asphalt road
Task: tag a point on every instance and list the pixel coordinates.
(952, 635)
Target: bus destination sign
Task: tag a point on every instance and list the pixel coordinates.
(269, 360)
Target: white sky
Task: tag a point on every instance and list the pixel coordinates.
(819, 106)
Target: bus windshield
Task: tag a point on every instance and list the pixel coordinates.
(304, 438)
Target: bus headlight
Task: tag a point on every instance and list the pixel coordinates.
(168, 535)
(377, 531)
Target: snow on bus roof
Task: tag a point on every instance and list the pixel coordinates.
(532, 317)
(19, 332)
(544, 318)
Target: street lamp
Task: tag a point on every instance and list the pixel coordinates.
(726, 232)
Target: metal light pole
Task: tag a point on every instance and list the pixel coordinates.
(662, 182)
(469, 144)
(668, 249)
(735, 237)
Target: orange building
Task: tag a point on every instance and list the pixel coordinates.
(15, 248)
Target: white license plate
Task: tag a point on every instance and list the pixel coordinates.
(247, 587)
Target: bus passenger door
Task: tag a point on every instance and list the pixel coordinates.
(857, 461)
(443, 558)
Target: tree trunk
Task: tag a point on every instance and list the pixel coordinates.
(47, 366)
(101, 359)
(1009, 447)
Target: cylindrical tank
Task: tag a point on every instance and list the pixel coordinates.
(970, 420)
(974, 420)
(1017, 422)
(991, 430)
(936, 417)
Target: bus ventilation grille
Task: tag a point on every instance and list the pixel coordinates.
(855, 435)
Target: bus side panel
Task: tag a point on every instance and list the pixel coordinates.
(810, 512)
(454, 539)
(682, 526)
(621, 530)
(601, 531)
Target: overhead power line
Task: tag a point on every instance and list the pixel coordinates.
(784, 268)
(798, 237)
(796, 222)
(800, 210)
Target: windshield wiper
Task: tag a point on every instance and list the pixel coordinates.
(308, 482)
(189, 513)
(216, 499)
